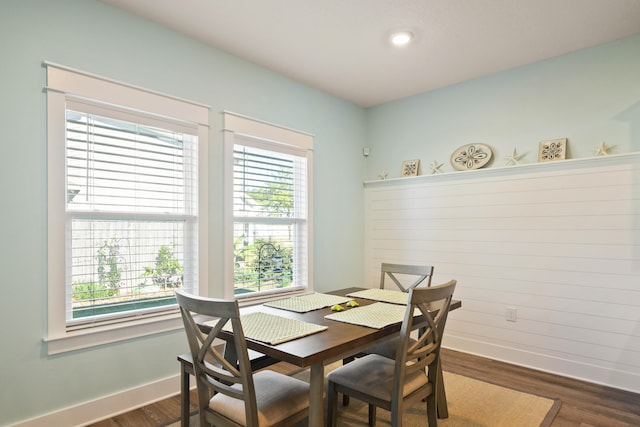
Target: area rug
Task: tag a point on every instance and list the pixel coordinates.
(471, 403)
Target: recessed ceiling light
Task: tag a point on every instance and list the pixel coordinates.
(401, 38)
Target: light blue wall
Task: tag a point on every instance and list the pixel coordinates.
(94, 37)
(589, 96)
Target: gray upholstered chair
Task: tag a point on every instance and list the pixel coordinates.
(412, 377)
(408, 277)
(229, 393)
(405, 277)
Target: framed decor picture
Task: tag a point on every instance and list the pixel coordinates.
(554, 149)
(410, 168)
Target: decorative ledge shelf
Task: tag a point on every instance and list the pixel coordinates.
(510, 170)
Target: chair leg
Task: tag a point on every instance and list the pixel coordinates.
(345, 400)
(345, 397)
(203, 420)
(441, 395)
(332, 402)
(432, 410)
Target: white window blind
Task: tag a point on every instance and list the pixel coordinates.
(270, 208)
(132, 207)
(120, 165)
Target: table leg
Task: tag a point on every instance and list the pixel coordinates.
(184, 396)
(441, 396)
(316, 396)
(230, 353)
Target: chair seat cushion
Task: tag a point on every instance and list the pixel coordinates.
(387, 348)
(277, 396)
(374, 374)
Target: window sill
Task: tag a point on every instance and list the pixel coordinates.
(97, 336)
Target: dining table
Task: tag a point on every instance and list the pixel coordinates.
(334, 340)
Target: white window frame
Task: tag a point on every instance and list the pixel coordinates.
(236, 128)
(64, 82)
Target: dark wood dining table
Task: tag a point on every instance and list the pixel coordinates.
(318, 350)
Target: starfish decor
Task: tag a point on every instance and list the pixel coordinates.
(383, 174)
(514, 158)
(602, 150)
(435, 167)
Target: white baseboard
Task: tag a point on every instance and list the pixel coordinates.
(607, 376)
(108, 406)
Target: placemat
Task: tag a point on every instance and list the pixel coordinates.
(376, 315)
(310, 302)
(274, 329)
(384, 295)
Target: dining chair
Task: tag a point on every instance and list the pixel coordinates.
(416, 274)
(405, 277)
(229, 393)
(413, 375)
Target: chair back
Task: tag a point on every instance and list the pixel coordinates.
(413, 355)
(417, 273)
(215, 374)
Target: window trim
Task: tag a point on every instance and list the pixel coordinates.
(62, 82)
(236, 124)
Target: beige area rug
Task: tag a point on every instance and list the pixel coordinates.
(472, 403)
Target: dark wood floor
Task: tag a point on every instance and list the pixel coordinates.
(583, 404)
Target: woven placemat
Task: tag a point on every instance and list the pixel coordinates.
(310, 302)
(376, 315)
(384, 295)
(274, 329)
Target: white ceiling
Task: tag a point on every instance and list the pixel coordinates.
(341, 46)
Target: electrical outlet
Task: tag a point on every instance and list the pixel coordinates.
(511, 314)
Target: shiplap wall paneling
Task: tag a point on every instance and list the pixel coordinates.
(558, 242)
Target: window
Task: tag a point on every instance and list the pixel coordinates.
(125, 201)
(268, 208)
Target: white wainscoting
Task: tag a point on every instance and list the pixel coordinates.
(559, 242)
